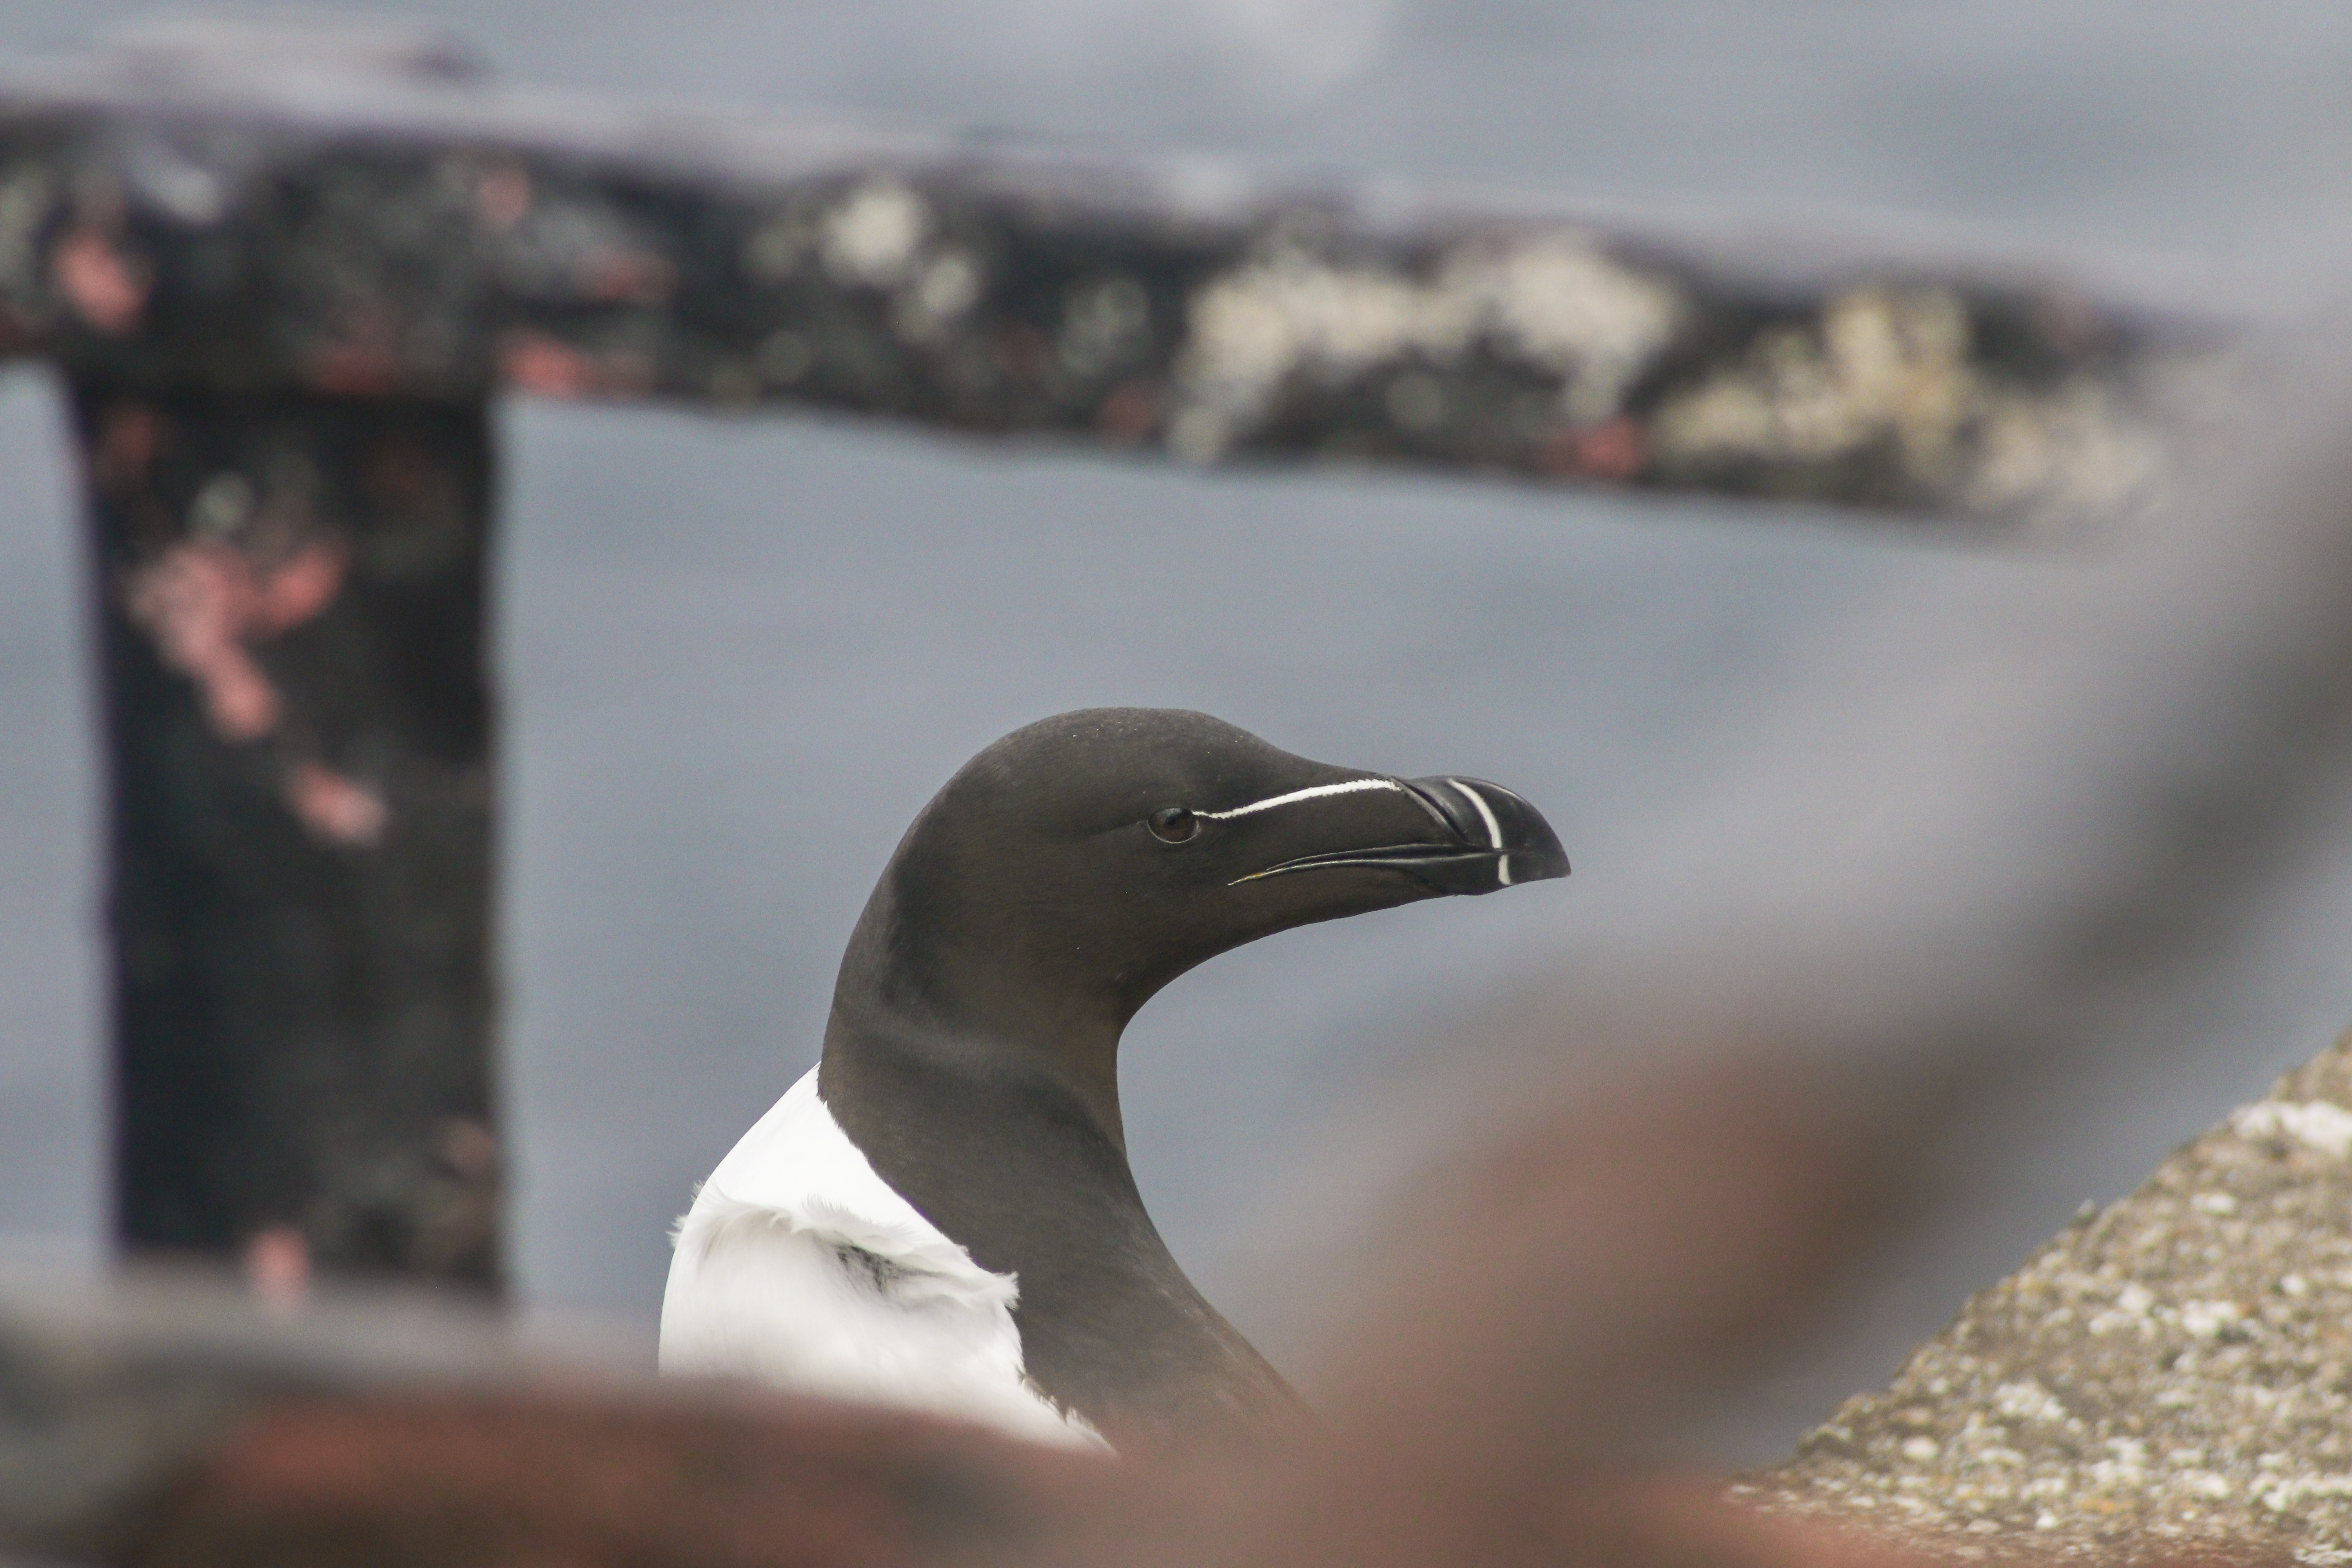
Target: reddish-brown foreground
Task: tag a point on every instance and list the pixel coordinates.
(1494, 1410)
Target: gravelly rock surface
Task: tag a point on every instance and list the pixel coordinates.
(2174, 1372)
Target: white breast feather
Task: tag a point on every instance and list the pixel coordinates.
(797, 1266)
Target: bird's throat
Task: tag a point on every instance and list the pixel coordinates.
(1030, 1177)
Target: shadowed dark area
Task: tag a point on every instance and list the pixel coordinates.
(302, 1004)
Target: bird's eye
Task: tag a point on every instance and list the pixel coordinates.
(1173, 824)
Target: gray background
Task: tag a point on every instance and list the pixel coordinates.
(737, 655)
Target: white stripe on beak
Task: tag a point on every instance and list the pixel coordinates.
(1485, 814)
(1313, 792)
(1494, 831)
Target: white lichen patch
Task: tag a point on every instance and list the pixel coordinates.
(880, 235)
(2135, 1308)
(872, 237)
(1563, 305)
(2068, 453)
(2026, 1400)
(948, 286)
(936, 292)
(1556, 303)
(1891, 371)
(2291, 1490)
(1876, 366)
(2315, 1124)
(2210, 1320)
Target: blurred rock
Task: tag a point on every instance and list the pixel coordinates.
(2171, 1374)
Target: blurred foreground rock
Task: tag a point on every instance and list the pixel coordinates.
(160, 1417)
(2170, 1375)
(1491, 1409)
(2164, 1385)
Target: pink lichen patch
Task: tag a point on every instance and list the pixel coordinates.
(195, 601)
(540, 364)
(276, 1266)
(534, 361)
(334, 807)
(502, 199)
(298, 588)
(627, 277)
(105, 289)
(203, 601)
(1613, 450)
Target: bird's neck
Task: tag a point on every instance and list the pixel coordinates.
(1015, 1150)
(958, 1022)
(929, 981)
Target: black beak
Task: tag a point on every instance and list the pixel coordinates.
(1506, 841)
(1489, 839)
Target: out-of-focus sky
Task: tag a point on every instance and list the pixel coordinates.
(737, 654)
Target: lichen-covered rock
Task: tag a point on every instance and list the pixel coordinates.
(2173, 1372)
(198, 223)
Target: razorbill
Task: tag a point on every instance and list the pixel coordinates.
(941, 1213)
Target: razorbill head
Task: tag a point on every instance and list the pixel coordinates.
(941, 1214)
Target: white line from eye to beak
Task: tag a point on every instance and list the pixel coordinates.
(1313, 792)
(1494, 831)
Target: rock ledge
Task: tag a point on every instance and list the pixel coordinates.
(2173, 1372)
